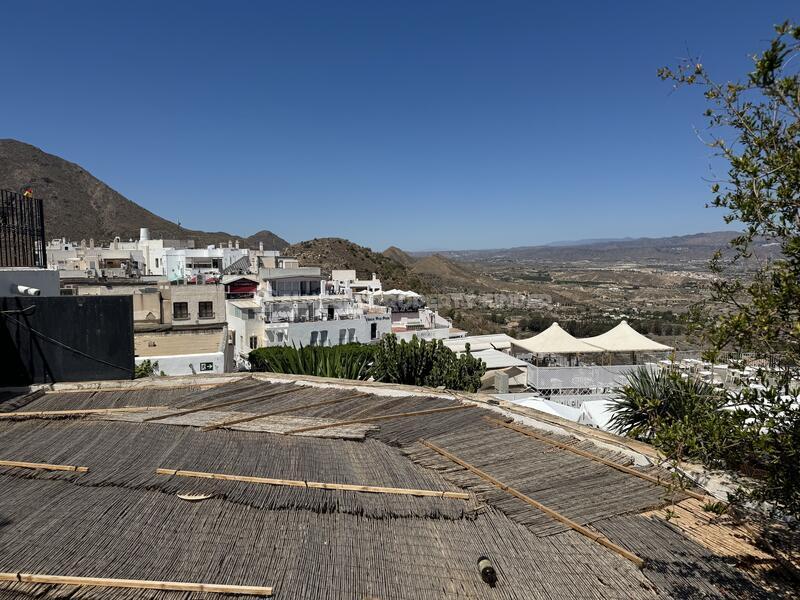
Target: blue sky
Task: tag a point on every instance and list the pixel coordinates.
(426, 125)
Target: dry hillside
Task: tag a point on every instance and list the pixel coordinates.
(78, 206)
(433, 274)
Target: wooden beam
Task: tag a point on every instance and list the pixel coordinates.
(594, 457)
(280, 412)
(77, 412)
(131, 388)
(44, 466)
(592, 535)
(378, 418)
(315, 484)
(179, 586)
(189, 411)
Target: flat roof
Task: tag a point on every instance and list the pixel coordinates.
(246, 303)
(177, 343)
(312, 536)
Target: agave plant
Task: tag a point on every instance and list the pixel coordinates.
(350, 361)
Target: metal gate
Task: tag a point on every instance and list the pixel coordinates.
(22, 241)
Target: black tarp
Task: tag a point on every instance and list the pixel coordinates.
(65, 338)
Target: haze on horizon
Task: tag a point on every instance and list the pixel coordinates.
(443, 125)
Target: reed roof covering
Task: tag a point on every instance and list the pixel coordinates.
(123, 520)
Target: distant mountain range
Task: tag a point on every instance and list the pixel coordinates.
(666, 250)
(78, 206)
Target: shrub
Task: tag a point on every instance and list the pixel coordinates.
(146, 368)
(677, 415)
(426, 363)
(756, 432)
(348, 361)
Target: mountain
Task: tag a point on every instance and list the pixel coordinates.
(666, 250)
(78, 206)
(430, 275)
(338, 253)
(399, 256)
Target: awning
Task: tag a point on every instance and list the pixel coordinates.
(624, 338)
(498, 341)
(494, 359)
(555, 340)
(246, 303)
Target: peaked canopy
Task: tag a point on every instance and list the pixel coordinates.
(624, 338)
(555, 340)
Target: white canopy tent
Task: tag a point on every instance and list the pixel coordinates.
(624, 338)
(554, 340)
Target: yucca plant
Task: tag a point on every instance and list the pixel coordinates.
(651, 397)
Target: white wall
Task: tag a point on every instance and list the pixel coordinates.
(338, 331)
(186, 364)
(45, 280)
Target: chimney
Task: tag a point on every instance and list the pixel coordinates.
(260, 246)
(237, 244)
(144, 234)
(91, 242)
(230, 245)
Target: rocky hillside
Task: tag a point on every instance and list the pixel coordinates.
(438, 270)
(78, 206)
(433, 274)
(399, 256)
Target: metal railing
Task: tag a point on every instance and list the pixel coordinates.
(22, 242)
(578, 380)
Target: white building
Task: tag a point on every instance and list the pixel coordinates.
(301, 308)
(425, 324)
(89, 261)
(192, 264)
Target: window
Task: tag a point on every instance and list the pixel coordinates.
(314, 336)
(253, 342)
(373, 331)
(206, 310)
(156, 263)
(180, 310)
(323, 338)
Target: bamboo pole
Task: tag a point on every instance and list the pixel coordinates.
(189, 411)
(180, 586)
(315, 484)
(279, 412)
(77, 412)
(375, 419)
(594, 457)
(44, 466)
(592, 535)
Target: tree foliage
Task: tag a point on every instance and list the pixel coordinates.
(754, 127)
(754, 304)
